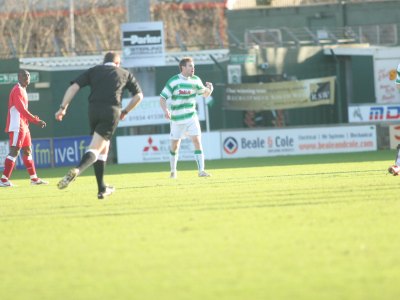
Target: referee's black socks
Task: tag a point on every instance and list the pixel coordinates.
(99, 166)
(87, 160)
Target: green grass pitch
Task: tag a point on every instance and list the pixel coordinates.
(298, 227)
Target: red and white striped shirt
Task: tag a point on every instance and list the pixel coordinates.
(18, 116)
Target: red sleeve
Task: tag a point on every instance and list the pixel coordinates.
(18, 101)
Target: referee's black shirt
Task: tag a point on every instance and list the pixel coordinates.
(107, 83)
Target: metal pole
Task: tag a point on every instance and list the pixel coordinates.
(72, 25)
(139, 11)
(223, 76)
(207, 114)
(338, 84)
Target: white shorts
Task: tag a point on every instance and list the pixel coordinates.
(181, 131)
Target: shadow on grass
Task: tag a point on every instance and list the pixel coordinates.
(277, 199)
(382, 155)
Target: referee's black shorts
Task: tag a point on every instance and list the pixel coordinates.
(103, 120)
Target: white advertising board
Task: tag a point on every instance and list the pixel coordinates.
(234, 74)
(259, 143)
(33, 96)
(394, 136)
(149, 112)
(3, 152)
(156, 148)
(143, 44)
(385, 87)
(374, 113)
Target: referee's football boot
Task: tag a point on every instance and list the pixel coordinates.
(68, 178)
(107, 192)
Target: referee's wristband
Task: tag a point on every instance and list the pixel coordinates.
(62, 107)
(124, 111)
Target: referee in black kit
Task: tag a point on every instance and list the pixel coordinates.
(107, 83)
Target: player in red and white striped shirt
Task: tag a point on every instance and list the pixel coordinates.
(17, 126)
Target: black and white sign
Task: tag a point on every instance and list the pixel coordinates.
(234, 74)
(143, 44)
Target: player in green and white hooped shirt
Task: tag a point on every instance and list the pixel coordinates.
(180, 91)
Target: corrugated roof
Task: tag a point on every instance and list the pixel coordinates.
(83, 62)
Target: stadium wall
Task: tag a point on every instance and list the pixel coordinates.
(49, 91)
(282, 56)
(336, 15)
(8, 66)
(234, 144)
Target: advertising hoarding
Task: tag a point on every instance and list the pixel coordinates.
(4, 149)
(385, 87)
(156, 148)
(280, 95)
(374, 113)
(143, 44)
(41, 154)
(69, 151)
(149, 112)
(260, 143)
(394, 136)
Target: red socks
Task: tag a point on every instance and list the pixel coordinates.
(30, 165)
(9, 165)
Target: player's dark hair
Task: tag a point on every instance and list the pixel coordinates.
(110, 57)
(184, 61)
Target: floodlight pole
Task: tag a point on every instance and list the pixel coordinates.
(139, 11)
(72, 25)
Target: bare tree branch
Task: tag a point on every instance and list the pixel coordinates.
(42, 28)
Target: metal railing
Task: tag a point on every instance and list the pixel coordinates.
(243, 4)
(382, 34)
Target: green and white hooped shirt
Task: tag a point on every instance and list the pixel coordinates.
(181, 93)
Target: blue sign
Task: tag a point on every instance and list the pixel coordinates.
(69, 151)
(41, 154)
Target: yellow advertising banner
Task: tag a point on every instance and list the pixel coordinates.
(280, 95)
